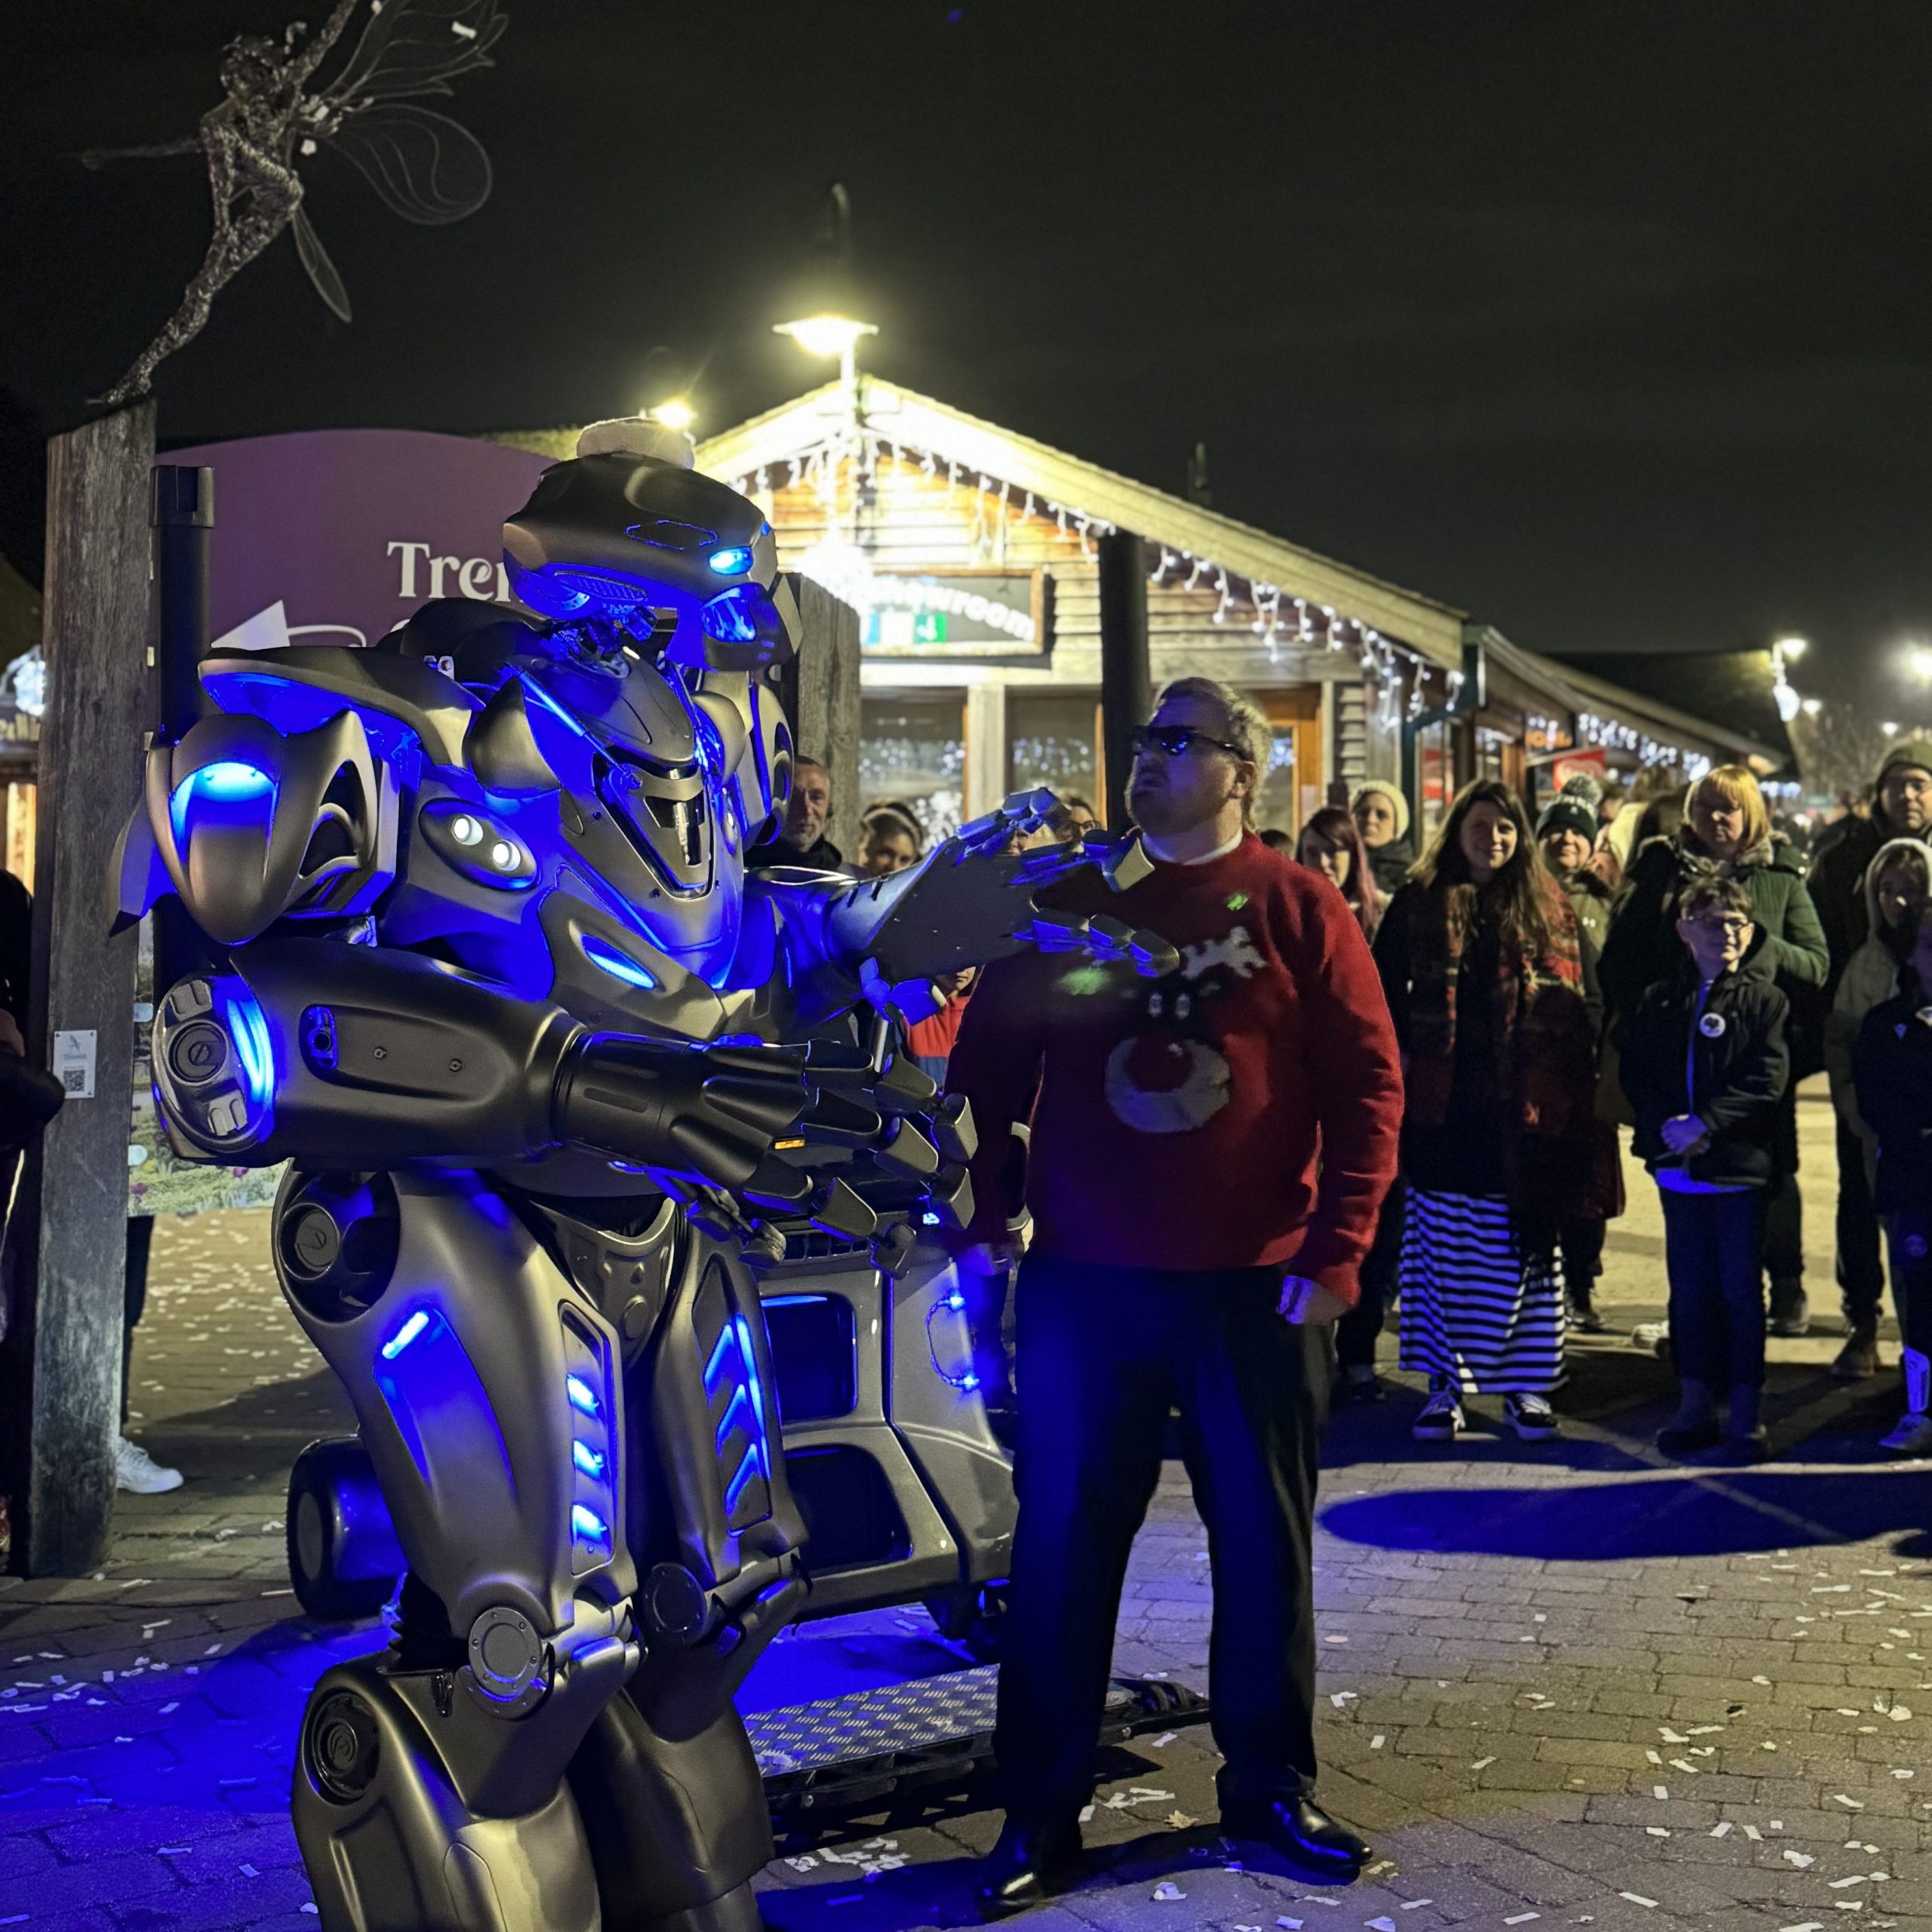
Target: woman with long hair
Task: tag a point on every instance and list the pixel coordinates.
(1489, 993)
(1331, 844)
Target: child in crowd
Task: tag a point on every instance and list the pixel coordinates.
(1704, 1065)
(1892, 1067)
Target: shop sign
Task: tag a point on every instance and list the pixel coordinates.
(951, 614)
(336, 536)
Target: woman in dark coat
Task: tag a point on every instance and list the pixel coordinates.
(1487, 989)
(1727, 829)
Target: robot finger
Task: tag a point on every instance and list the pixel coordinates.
(837, 1120)
(1055, 932)
(907, 1152)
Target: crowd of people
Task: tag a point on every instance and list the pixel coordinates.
(1551, 979)
(1384, 1077)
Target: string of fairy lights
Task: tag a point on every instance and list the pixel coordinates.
(1400, 675)
(1282, 621)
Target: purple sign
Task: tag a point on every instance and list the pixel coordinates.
(335, 536)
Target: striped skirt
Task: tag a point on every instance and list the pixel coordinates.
(1479, 1309)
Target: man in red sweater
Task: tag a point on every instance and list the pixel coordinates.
(1209, 1153)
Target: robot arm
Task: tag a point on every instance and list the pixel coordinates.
(970, 900)
(361, 1056)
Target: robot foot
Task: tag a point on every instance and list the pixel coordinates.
(389, 1845)
(678, 1827)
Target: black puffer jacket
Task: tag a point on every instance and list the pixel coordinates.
(1718, 1053)
(1892, 1068)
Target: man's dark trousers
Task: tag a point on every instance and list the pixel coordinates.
(1104, 1353)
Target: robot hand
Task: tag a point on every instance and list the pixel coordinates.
(876, 1156)
(708, 1114)
(971, 900)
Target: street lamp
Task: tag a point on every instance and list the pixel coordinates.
(675, 413)
(1791, 648)
(1891, 730)
(1919, 662)
(1813, 706)
(829, 334)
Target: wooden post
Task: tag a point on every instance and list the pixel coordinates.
(73, 1199)
(821, 692)
(1127, 695)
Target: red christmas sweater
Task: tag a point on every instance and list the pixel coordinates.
(1242, 1112)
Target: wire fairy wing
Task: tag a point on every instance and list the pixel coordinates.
(322, 272)
(424, 167)
(416, 46)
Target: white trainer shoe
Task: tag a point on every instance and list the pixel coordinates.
(1441, 1419)
(135, 1469)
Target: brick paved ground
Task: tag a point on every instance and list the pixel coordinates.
(1563, 1686)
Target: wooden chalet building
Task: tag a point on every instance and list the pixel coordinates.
(969, 551)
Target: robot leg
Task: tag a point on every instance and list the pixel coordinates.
(389, 1842)
(669, 1790)
(429, 1790)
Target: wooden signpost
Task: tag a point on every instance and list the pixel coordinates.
(73, 1206)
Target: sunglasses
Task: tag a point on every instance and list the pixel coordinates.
(1176, 741)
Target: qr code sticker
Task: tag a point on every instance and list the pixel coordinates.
(74, 1079)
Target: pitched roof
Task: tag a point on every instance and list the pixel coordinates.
(899, 418)
(1735, 686)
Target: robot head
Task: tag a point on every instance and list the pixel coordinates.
(631, 541)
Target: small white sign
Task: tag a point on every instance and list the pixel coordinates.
(74, 1063)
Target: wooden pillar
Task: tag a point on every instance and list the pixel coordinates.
(821, 692)
(1126, 693)
(73, 1198)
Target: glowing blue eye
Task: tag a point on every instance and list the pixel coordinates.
(588, 1524)
(404, 1336)
(616, 964)
(582, 1396)
(733, 562)
(587, 1458)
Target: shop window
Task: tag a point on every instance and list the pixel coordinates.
(1053, 738)
(1435, 778)
(1290, 791)
(912, 749)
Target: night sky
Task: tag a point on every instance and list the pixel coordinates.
(1606, 321)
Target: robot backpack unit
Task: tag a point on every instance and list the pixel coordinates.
(552, 1071)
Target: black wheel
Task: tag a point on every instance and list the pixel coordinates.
(343, 1555)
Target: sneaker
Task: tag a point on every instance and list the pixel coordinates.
(1790, 1313)
(1651, 1337)
(1742, 1451)
(1693, 1438)
(1359, 1383)
(135, 1469)
(1858, 1360)
(1441, 1419)
(1531, 1417)
(1586, 1320)
(1913, 1437)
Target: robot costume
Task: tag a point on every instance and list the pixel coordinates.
(546, 1064)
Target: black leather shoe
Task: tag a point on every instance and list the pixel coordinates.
(1689, 1439)
(1031, 1862)
(1303, 1833)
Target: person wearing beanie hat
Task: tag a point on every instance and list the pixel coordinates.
(1567, 835)
(1381, 814)
(1901, 808)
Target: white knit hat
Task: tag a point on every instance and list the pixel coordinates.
(1385, 788)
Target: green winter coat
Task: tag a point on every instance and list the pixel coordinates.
(1643, 947)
